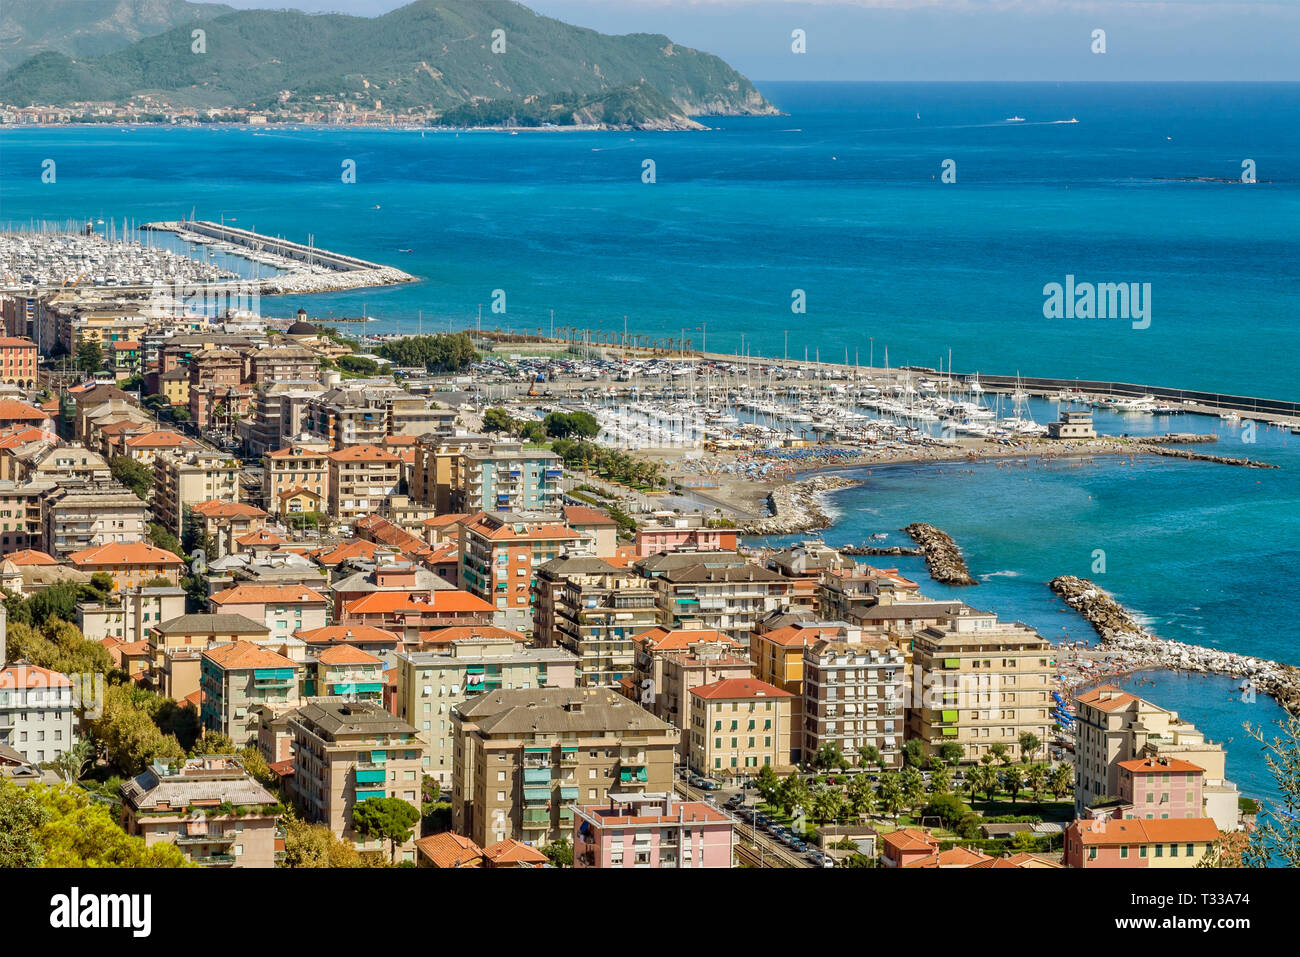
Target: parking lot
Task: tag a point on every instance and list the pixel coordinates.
(768, 837)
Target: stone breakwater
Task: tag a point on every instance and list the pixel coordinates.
(873, 550)
(1119, 631)
(797, 507)
(942, 556)
(1203, 457)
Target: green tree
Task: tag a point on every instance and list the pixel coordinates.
(948, 808)
(950, 752)
(21, 818)
(560, 853)
(982, 778)
(862, 795)
(1029, 745)
(1001, 752)
(913, 785)
(1013, 779)
(914, 754)
(941, 779)
(389, 819)
(1276, 836)
(1036, 780)
(868, 755)
(90, 357)
(827, 757)
(74, 762)
(134, 475)
(315, 845)
(1061, 780)
(767, 783)
(212, 742)
(255, 764)
(498, 420)
(164, 539)
(828, 804)
(891, 793)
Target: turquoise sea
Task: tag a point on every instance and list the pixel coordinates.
(842, 198)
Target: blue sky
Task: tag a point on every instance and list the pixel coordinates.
(950, 39)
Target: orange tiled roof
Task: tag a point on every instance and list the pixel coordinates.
(953, 857)
(362, 453)
(29, 556)
(128, 553)
(729, 688)
(551, 531)
(582, 515)
(347, 655)
(288, 452)
(261, 536)
(357, 548)
(31, 676)
(332, 634)
(660, 638)
(240, 655)
(909, 839)
(159, 439)
(511, 851)
(1141, 765)
(793, 635)
(16, 435)
(13, 409)
(439, 601)
(1107, 698)
(248, 594)
(1134, 830)
(450, 850)
(216, 508)
(451, 518)
(444, 636)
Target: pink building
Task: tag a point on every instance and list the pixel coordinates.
(1160, 788)
(651, 830)
(683, 532)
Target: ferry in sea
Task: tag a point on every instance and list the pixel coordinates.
(1015, 119)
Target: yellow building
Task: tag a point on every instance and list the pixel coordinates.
(738, 725)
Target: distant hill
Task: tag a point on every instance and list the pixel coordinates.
(84, 28)
(432, 55)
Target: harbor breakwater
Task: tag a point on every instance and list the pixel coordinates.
(797, 507)
(942, 556)
(1119, 631)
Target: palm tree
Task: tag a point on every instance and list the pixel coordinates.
(1061, 779)
(1036, 778)
(913, 787)
(72, 764)
(891, 793)
(1013, 778)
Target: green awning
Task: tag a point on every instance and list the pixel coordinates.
(537, 794)
(569, 794)
(950, 716)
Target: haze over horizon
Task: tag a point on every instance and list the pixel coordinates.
(998, 40)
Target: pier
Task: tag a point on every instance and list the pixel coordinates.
(942, 555)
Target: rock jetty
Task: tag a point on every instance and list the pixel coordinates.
(797, 507)
(895, 550)
(942, 556)
(1119, 631)
(1204, 457)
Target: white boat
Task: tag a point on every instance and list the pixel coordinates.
(1015, 119)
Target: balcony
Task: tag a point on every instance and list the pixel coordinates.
(208, 838)
(215, 860)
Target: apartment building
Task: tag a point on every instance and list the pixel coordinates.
(197, 633)
(134, 611)
(671, 532)
(598, 619)
(431, 683)
(737, 726)
(361, 480)
(508, 478)
(349, 751)
(346, 671)
(225, 523)
(237, 679)
(1136, 842)
(367, 414)
(288, 472)
(79, 516)
(652, 831)
(1161, 788)
(777, 646)
(286, 610)
(186, 479)
(1114, 727)
(18, 362)
(670, 662)
(145, 446)
(131, 565)
(984, 682)
(728, 599)
(500, 553)
(36, 711)
(524, 758)
(20, 515)
(213, 810)
(853, 698)
(548, 586)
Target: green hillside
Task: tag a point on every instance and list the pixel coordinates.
(431, 55)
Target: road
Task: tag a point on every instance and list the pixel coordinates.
(765, 847)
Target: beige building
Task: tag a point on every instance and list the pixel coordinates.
(1115, 726)
(349, 751)
(132, 615)
(239, 678)
(76, 516)
(739, 725)
(298, 467)
(983, 682)
(184, 480)
(853, 698)
(431, 683)
(523, 758)
(361, 480)
(182, 804)
(598, 620)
